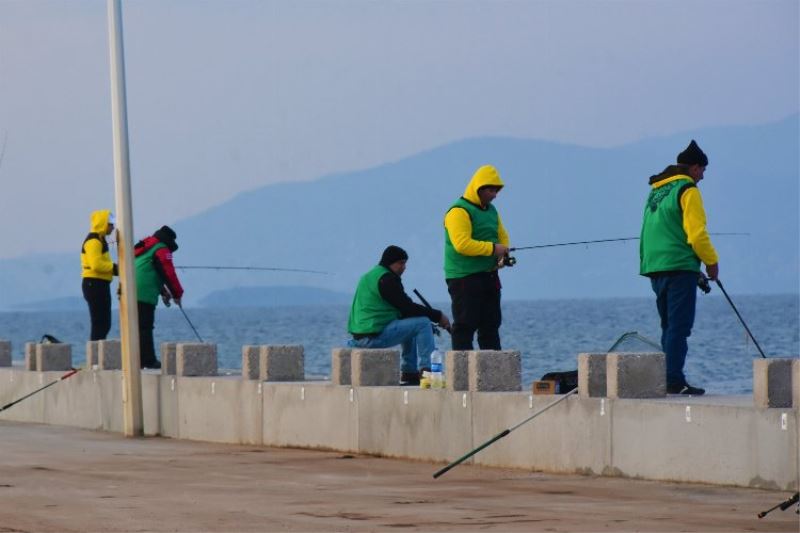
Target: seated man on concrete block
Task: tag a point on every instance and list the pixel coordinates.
(382, 316)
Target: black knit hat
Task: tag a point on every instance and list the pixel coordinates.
(393, 254)
(693, 155)
(167, 235)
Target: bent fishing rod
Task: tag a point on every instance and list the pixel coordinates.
(40, 389)
(270, 269)
(619, 239)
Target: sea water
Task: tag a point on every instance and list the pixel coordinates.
(548, 333)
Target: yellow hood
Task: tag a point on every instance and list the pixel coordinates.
(99, 221)
(486, 175)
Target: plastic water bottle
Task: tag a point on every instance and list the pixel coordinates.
(437, 377)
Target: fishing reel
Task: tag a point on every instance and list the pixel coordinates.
(507, 261)
(702, 283)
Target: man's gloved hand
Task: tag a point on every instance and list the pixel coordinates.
(166, 299)
(178, 302)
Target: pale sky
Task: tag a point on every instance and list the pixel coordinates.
(226, 96)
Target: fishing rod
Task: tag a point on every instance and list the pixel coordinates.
(190, 322)
(598, 241)
(40, 389)
(272, 269)
(783, 505)
(426, 304)
(502, 434)
(719, 284)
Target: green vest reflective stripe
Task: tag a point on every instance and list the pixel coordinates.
(663, 245)
(485, 223)
(370, 313)
(148, 280)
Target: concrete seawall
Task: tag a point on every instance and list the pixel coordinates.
(716, 440)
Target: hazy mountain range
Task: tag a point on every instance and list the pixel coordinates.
(554, 193)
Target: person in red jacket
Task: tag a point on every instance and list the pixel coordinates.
(155, 276)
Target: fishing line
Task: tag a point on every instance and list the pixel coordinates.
(272, 269)
(599, 241)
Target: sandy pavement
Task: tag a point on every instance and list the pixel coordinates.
(65, 479)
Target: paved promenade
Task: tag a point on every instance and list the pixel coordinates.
(65, 479)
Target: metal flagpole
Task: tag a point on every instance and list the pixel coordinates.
(128, 313)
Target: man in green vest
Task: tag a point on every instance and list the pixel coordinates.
(382, 315)
(475, 243)
(155, 277)
(673, 243)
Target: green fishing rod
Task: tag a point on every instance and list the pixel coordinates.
(40, 389)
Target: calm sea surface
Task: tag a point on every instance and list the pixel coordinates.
(549, 333)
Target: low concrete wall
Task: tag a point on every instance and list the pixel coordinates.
(718, 440)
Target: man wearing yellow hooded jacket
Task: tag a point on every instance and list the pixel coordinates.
(673, 243)
(97, 272)
(475, 242)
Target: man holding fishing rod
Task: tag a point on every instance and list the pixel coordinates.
(155, 276)
(673, 243)
(382, 315)
(475, 246)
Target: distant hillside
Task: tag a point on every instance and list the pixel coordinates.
(273, 297)
(554, 193)
(68, 303)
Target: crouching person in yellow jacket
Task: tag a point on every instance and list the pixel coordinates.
(98, 271)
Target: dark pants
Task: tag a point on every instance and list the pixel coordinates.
(97, 293)
(476, 307)
(676, 296)
(147, 319)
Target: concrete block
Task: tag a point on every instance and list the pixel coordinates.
(53, 356)
(592, 375)
(796, 384)
(772, 382)
(5, 353)
(168, 366)
(340, 366)
(30, 356)
(109, 355)
(636, 375)
(91, 353)
(196, 359)
(456, 370)
(251, 356)
(371, 367)
(281, 363)
(495, 370)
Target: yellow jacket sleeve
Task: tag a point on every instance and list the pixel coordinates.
(694, 224)
(96, 259)
(459, 228)
(501, 232)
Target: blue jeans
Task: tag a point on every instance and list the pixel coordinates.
(676, 296)
(414, 334)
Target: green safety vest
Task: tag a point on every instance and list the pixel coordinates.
(485, 224)
(148, 280)
(664, 246)
(370, 313)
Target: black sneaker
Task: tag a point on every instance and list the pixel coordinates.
(155, 363)
(686, 389)
(409, 378)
